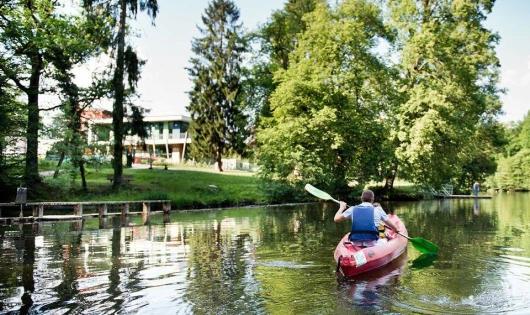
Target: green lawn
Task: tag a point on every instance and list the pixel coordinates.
(186, 186)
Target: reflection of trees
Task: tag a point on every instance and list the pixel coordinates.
(11, 266)
(463, 237)
(68, 246)
(27, 270)
(298, 236)
(220, 279)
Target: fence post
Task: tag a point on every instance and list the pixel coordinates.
(146, 212)
(38, 211)
(78, 209)
(102, 209)
(166, 206)
(125, 209)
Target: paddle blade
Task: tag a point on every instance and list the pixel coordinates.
(424, 246)
(318, 193)
(425, 260)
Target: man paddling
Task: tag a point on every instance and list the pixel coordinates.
(365, 220)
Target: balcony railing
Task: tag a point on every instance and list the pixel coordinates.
(171, 136)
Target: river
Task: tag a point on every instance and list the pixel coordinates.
(268, 260)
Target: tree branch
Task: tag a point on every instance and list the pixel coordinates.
(12, 77)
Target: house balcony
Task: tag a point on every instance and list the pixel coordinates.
(172, 138)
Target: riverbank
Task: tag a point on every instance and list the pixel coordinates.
(188, 187)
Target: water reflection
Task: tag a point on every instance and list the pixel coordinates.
(370, 292)
(267, 261)
(476, 207)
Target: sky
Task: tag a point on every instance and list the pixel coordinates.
(167, 48)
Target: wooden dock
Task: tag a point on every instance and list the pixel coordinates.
(463, 197)
(76, 208)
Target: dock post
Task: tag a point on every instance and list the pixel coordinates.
(166, 206)
(166, 218)
(78, 225)
(124, 209)
(146, 212)
(102, 209)
(102, 222)
(78, 209)
(38, 211)
(37, 228)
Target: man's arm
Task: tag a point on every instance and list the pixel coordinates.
(391, 225)
(338, 216)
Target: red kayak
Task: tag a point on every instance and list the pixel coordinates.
(352, 260)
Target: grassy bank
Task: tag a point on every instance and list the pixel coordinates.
(186, 187)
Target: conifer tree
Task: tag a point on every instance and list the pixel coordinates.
(218, 121)
(127, 63)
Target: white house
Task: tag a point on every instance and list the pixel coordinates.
(167, 137)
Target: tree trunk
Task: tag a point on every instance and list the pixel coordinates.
(218, 159)
(390, 177)
(61, 159)
(117, 110)
(83, 177)
(32, 129)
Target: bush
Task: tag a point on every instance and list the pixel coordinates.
(280, 191)
(156, 195)
(62, 183)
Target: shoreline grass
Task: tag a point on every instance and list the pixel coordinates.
(188, 187)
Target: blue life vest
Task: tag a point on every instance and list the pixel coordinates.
(363, 227)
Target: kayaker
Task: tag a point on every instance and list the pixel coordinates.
(365, 220)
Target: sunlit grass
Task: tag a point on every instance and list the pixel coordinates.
(185, 186)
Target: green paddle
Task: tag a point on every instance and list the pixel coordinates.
(422, 245)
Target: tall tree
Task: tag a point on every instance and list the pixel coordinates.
(450, 73)
(24, 43)
(127, 62)
(12, 120)
(514, 164)
(86, 37)
(218, 122)
(275, 40)
(327, 113)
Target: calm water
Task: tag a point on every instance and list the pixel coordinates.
(273, 260)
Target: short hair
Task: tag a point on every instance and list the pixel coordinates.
(367, 196)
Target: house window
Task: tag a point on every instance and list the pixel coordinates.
(102, 132)
(148, 128)
(160, 129)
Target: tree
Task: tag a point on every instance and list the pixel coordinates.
(327, 125)
(217, 119)
(275, 40)
(85, 38)
(127, 63)
(24, 42)
(449, 73)
(514, 165)
(12, 120)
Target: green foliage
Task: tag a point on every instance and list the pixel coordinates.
(115, 13)
(156, 195)
(281, 191)
(512, 172)
(450, 74)
(62, 184)
(326, 126)
(218, 121)
(274, 42)
(30, 31)
(12, 120)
